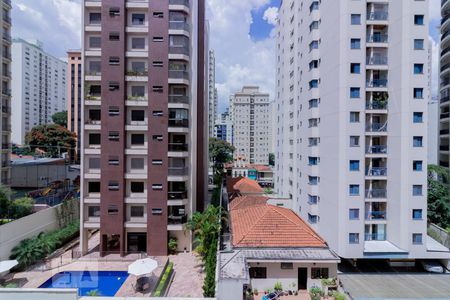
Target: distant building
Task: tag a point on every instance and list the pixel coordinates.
(433, 128)
(212, 96)
(444, 95)
(250, 116)
(262, 174)
(223, 128)
(5, 120)
(74, 96)
(39, 88)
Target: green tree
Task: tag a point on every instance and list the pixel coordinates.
(21, 207)
(60, 118)
(5, 202)
(53, 139)
(271, 159)
(220, 153)
(438, 196)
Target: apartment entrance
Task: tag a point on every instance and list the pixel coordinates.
(136, 242)
(302, 278)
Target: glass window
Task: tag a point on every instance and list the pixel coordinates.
(418, 93)
(355, 68)
(314, 6)
(94, 139)
(417, 165)
(418, 117)
(95, 42)
(137, 139)
(355, 19)
(137, 211)
(417, 214)
(313, 180)
(319, 273)
(258, 272)
(418, 68)
(137, 163)
(355, 92)
(138, 115)
(417, 190)
(354, 141)
(417, 238)
(137, 43)
(313, 219)
(94, 163)
(353, 213)
(355, 44)
(314, 83)
(137, 187)
(138, 91)
(313, 199)
(313, 161)
(93, 211)
(419, 19)
(94, 187)
(354, 189)
(95, 18)
(354, 117)
(353, 238)
(138, 19)
(354, 165)
(138, 66)
(418, 44)
(417, 141)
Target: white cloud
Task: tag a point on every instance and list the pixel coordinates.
(271, 15)
(435, 9)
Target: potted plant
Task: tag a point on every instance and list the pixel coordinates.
(255, 291)
(316, 293)
(278, 287)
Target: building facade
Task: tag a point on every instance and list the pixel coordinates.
(5, 125)
(352, 123)
(144, 136)
(74, 96)
(223, 128)
(212, 93)
(250, 116)
(39, 88)
(444, 110)
(433, 131)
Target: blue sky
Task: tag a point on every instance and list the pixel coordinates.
(260, 29)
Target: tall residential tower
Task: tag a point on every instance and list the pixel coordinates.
(5, 121)
(212, 93)
(444, 115)
(74, 97)
(352, 123)
(144, 166)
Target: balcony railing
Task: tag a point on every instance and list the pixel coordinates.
(445, 35)
(376, 127)
(177, 195)
(179, 74)
(6, 92)
(443, 68)
(179, 49)
(177, 220)
(179, 123)
(6, 55)
(178, 147)
(445, 115)
(377, 83)
(179, 2)
(379, 171)
(443, 2)
(378, 149)
(444, 131)
(377, 60)
(179, 99)
(445, 164)
(377, 16)
(7, 2)
(7, 19)
(375, 236)
(92, 97)
(137, 73)
(377, 105)
(445, 99)
(376, 215)
(136, 98)
(178, 171)
(6, 37)
(444, 147)
(444, 19)
(179, 25)
(376, 194)
(377, 38)
(445, 51)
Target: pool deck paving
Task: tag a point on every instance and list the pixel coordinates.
(188, 276)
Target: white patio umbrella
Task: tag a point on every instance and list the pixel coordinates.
(7, 265)
(142, 266)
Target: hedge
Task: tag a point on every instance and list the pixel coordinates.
(164, 281)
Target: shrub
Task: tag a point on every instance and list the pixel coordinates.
(278, 286)
(209, 285)
(163, 283)
(9, 286)
(315, 293)
(173, 245)
(339, 296)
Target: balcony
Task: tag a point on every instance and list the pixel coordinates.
(6, 92)
(446, 34)
(375, 237)
(179, 74)
(376, 193)
(444, 131)
(7, 19)
(179, 25)
(377, 38)
(177, 220)
(179, 2)
(444, 148)
(377, 83)
(6, 37)
(445, 164)
(378, 15)
(376, 171)
(7, 2)
(376, 149)
(179, 49)
(445, 99)
(377, 105)
(6, 55)
(445, 81)
(377, 60)
(445, 115)
(178, 171)
(375, 216)
(181, 99)
(136, 73)
(178, 147)
(444, 19)
(177, 195)
(183, 123)
(376, 127)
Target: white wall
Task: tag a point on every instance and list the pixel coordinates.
(39, 294)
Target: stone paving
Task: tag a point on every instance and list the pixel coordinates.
(188, 279)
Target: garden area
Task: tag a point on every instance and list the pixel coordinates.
(13, 209)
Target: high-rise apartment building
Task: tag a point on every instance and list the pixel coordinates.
(444, 111)
(212, 93)
(352, 123)
(144, 136)
(74, 81)
(250, 116)
(223, 128)
(5, 121)
(39, 88)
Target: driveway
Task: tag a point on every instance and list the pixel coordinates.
(363, 286)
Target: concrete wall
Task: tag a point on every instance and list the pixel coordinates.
(38, 176)
(230, 289)
(11, 234)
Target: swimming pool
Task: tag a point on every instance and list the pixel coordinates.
(105, 283)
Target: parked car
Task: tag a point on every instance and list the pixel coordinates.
(432, 266)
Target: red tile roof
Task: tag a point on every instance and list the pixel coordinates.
(271, 226)
(247, 200)
(243, 185)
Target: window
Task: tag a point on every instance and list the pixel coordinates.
(418, 117)
(113, 136)
(137, 187)
(136, 211)
(138, 67)
(417, 141)
(94, 139)
(157, 187)
(418, 44)
(314, 6)
(287, 266)
(113, 186)
(314, 25)
(314, 64)
(353, 213)
(314, 84)
(417, 214)
(138, 91)
(313, 199)
(313, 219)
(313, 45)
(137, 19)
(355, 44)
(353, 238)
(318, 273)
(355, 92)
(313, 180)
(95, 42)
(114, 11)
(417, 165)
(417, 190)
(313, 103)
(95, 18)
(355, 19)
(158, 14)
(355, 68)
(354, 189)
(114, 36)
(354, 117)
(156, 211)
(258, 272)
(354, 165)
(418, 93)
(419, 19)
(113, 86)
(113, 111)
(417, 238)
(418, 68)
(114, 60)
(94, 187)
(93, 211)
(94, 163)
(138, 115)
(313, 161)
(354, 141)
(113, 210)
(137, 139)
(138, 43)
(113, 161)
(137, 163)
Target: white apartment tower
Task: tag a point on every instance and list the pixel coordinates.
(444, 103)
(5, 120)
(351, 147)
(212, 93)
(39, 88)
(250, 115)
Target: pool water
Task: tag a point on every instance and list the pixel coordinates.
(106, 283)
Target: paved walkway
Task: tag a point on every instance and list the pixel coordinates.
(188, 279)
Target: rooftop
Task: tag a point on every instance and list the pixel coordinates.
(247, 200)
(243, 185)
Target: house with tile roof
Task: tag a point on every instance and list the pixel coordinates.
(262, 174)
(268, 244)
(240, 186)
